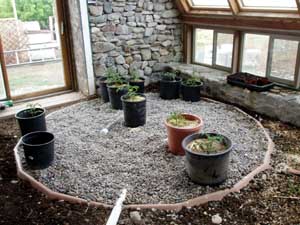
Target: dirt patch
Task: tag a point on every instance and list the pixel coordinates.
(271, 199)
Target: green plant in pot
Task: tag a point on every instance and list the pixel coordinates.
(179, 126)
(207, 157)
(31, 119)
(116, 88)
(134, 107)
(136, 80)
(190, 89)
(169, 85)
(102, 83)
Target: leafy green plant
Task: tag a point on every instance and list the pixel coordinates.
(206, 144)
(178, 120)
(114, 77)
(34, 109)
(169, 76)
(134, 76)
(192, 81)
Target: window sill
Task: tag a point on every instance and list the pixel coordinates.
(48, 103)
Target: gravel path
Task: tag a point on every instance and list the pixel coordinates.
(96, 166)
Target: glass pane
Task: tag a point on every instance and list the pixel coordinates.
(2, 87)
(270, 3)
(284, 58)
(224, 49)
(33, 54)
(213, 3)
(255, 54)
(204, 46)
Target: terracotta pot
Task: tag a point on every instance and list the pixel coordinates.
(177, 134)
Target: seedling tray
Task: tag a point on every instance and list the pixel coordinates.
(250, 81)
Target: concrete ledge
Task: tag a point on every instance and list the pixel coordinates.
(279, 103)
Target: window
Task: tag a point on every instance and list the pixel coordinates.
(270, 4)
(283, 59)
(213, 48)
(271, 56)
(211, 3)
(255, 54)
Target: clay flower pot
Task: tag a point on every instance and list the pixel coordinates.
(177, 134)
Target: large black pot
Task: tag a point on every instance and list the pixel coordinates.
(103, 89)
(191, 93)
(115, 96)
(169, 89)
(134, 112)
(140, 84)
(38, 149)
(29, 123)
(207, 169)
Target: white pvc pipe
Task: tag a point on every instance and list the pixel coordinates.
(115, 213)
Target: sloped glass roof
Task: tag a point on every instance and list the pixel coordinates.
(211, 3)
(276, 4)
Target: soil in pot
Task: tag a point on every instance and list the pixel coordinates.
(134, 110)
(169, 86)
(31, 119)
(115, 91)
(38, 149)
(180, 126)
(207, 157)
(190, 89)
(103, 89)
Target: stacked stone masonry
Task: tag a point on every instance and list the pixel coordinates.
(134, 35)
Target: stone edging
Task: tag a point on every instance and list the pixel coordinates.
(214, 196)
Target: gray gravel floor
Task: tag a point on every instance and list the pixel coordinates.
(95, 166)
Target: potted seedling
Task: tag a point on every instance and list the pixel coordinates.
(116, 88)
(31, 119)
(179, 126)
(190, 89)
(136, 80)
(103, 84)
(207, 157)
(38, 149)
(134, 106)
(169, 85)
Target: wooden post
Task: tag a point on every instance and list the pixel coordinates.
(4, 71)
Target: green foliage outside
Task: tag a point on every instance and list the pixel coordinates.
(28, 10)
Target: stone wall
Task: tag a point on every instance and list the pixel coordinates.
(134, 35)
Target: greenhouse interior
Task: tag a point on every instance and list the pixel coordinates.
(150, 112)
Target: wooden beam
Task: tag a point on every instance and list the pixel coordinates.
(236, 52)
(234, 6)
(240, 22)
(4, 71)
(298, 5)
(182, 6)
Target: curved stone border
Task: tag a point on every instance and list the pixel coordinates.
(214, 196)
(293, 171)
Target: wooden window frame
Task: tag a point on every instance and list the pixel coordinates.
(244, 8)
(238, 48)
(62, 10)
(214, 53)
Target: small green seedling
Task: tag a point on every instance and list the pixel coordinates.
(134, 76)
(178, 120)
(169, 76)
(114, 77)
(206, 144)
(192, 81)
(132, 94)
(34, 109)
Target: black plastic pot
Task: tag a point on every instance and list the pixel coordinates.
(134, 112)
(140, 84)
(115, 96)
(169, 89)
(191, 93)
(103, 89)
(38, 149)
(207, 169)
(29, 123)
